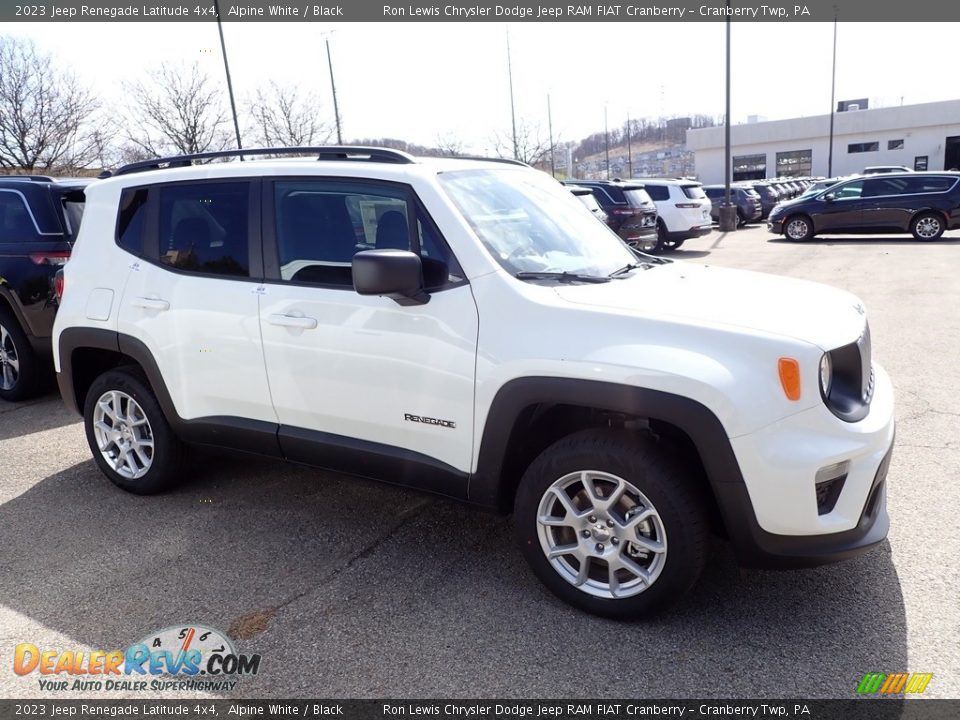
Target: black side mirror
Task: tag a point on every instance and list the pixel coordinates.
(397, 274)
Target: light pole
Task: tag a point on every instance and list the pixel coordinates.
(606, 140)
(728, 212)
(513, 114)
(833, 87)
(553, 164)
(629, 149)
(226, 68)
(333, 90)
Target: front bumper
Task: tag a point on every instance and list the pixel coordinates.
(773, 517)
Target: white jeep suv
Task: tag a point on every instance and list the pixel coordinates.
(468, 328)
(683, 210)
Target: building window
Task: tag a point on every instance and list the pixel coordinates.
(920, 163)
(894, 144)
(794, 163)
(749, 167)
(863, 147)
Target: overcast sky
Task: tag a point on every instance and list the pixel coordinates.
(420, 81)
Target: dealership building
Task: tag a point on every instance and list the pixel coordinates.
(921, 137)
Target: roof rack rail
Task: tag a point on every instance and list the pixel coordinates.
(29, 178)
(323, 152)
(508, 161)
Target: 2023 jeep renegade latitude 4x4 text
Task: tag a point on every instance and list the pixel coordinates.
(469, 329)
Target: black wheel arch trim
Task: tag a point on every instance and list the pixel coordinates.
(754, 546)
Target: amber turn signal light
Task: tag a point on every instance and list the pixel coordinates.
(790, 378)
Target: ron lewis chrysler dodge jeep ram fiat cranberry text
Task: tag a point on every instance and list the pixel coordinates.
(469, 328)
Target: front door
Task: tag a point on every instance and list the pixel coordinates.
(362, 383)
(841, 208)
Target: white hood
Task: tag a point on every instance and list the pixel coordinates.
(807, 311)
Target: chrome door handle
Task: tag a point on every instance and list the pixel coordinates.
(291, 321)
(150, 303)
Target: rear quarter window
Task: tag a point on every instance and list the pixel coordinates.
(694, 192)
(657, 192)
(16, 223)
(130, 220)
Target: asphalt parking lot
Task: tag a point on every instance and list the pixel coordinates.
(352, 589)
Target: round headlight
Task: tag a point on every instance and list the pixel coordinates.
(826, 374)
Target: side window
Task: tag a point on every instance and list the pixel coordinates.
(16, 225)
(924, 184)
(848, 191)
(203, 227)
(658, 192)
(320, 226)
(130, 219)
(884, 186)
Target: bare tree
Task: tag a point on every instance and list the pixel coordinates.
(286, 117)
(178, 111)
(43, 111)
(449, 145)
(532, 147)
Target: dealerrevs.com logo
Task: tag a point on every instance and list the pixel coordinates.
(184, 657)
(894, 683)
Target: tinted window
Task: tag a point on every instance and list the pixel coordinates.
(203, 227)
(320, 226)
(694, 192)
(638, 197)
(894, 144)
(863, 147)
(885, 186)
(658, 192)
(133, 210)
(609, 195)
(923, 184)
(16, 225)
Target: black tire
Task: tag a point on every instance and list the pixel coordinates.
(671, 488)
(164, 470)
(927, 226)
(741, 220)
(21, 376)
(661, 245)
(793, 224)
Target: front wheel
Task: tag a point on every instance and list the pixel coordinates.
(612, 523)
(928, 226)
(129, 436)
(798, 228)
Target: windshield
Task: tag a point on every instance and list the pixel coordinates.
(531, 223)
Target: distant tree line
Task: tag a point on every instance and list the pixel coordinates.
(660, 131)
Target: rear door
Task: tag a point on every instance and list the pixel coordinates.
(192, 297)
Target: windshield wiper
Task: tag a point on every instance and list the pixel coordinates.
(561, 276)
(627, 268)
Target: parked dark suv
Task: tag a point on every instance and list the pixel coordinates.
(747, 200)
(924, 204)
(39, 219)
(768, 196)
(630, 211)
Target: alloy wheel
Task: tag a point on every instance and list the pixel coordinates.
(9, 361)
(797, 229)
(123, 434)
(928, 227)
(601, 534)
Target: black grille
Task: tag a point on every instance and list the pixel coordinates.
(828, 492)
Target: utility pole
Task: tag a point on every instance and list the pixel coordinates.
(606, 140)
(513, 114)
(629, 148)
(226, 68)
(833, 103)
(728, 212)
(333, 89)
(553, 164)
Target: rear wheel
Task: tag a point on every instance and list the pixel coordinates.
(611, 523)
(129, 436)
(927, 226)
(20, 374)
(798, 228)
